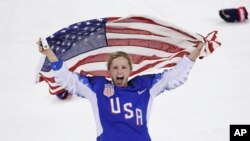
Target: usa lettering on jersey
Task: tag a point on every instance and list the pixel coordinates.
(127, 110)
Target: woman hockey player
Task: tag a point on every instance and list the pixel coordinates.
(121, 106)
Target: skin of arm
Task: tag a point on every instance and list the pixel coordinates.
(47, 52)
(195, 53)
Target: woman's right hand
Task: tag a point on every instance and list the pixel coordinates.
(47, 51)
(42, 49)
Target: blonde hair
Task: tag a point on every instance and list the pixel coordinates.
(116, 55)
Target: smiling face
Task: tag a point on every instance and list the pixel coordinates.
(120, 67)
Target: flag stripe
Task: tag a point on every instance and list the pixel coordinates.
(170, 48)
(155, 29)
(182, 43)
(125, 30)
(152, 22)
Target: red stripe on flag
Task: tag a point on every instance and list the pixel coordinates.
(90, 59)
(111, 19)
(145, 68)
(95, 73)
(47, 79)
(137, 59)
(169, 65)
(56, 92)
(210, 47)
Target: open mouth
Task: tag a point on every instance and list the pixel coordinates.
(119, 80)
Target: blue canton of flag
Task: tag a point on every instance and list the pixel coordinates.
(78, 38)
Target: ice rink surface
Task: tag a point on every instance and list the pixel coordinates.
(216, 95)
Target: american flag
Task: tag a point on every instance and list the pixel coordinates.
(151, 43)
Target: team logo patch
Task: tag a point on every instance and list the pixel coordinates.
(109, 90)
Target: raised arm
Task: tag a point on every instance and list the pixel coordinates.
(196, 53)
(173, 78)
(47, 51)
(73, 83)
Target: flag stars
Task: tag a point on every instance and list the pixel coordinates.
(86, 39)
(88, 23)
(73, 37)
(67, 36)
(63, 31)
(52, 36)
(86, 28)
(100, 20)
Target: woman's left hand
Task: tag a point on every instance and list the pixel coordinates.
(196, 53)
